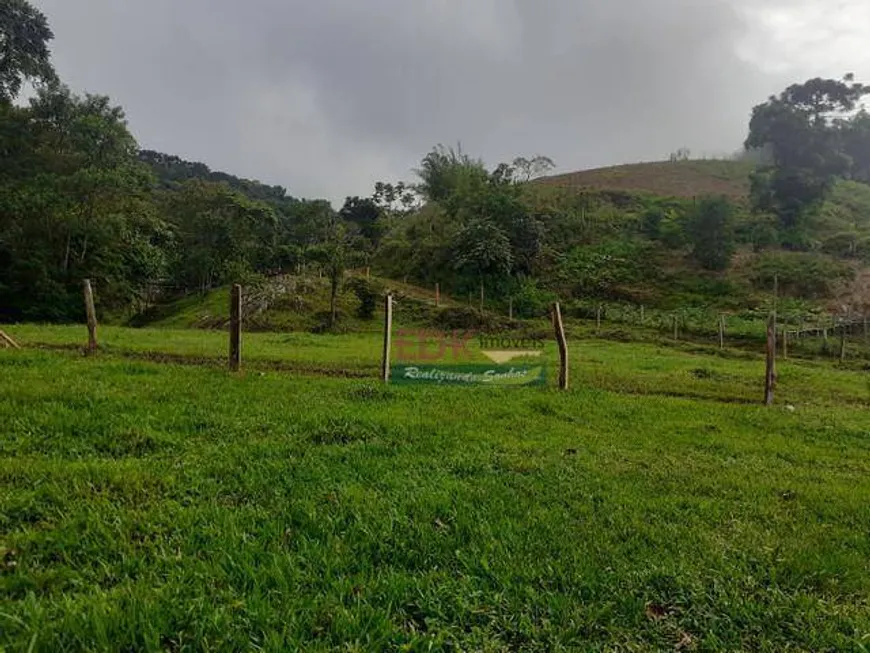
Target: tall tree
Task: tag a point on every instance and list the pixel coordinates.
(24, 54)
(800, 129)
(219, 234)
(366, 215)
(446, 174)
(528, 169)
(856, 139)
(483, 251)
(74, 203)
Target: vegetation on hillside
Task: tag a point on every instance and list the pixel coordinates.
(78, 199)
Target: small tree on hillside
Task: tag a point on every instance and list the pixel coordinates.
(710, 228)
(340, 251)
(483, 251)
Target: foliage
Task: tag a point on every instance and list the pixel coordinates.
(24, 55)
(605, 269)
(802, 128)
(532, 301)
(219, 234)
(335, 255)
(74, 205)
(447, 174)
(367, 294)
(78, 199)
(366, 216)
(800, 274)
(710, 228)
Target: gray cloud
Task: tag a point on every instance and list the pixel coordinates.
(325, 97)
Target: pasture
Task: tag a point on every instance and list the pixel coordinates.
(149, 500)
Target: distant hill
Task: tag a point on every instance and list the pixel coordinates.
(171, 171)
(667, 179)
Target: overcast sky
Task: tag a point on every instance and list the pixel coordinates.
(325, 97)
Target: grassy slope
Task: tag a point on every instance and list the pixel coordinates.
(155, 507)
(303, 306)
(668, 179)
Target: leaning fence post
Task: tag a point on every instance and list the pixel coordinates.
(770, 373)
(559, 327)
(7, 341)
(388, 338)
(236, 328)
(92, 315)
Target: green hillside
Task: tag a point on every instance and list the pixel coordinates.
(602, 252)
(836, 255)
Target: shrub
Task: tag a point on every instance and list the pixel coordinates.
(530, 301)
(802, 275)
(601, 270)
(367, 295)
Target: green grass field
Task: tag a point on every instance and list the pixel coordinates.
(150, 505)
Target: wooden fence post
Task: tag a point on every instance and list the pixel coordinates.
(388, 338)
(437, 295)
(481, 296)
(843, 343)
(236, 328)
(511, 308)
(559, 327)
(7, 341)
(785, 344)
(92, 315)
(598, 321)
(721, 332)
(676, 328)
(770, 373)
(642, 315)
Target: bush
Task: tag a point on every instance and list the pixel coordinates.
(367, 295)
(531, 301)
(801, 275)
(466, 318)
(602, 270)
(710, 228)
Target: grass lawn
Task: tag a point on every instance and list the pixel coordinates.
(148, 506)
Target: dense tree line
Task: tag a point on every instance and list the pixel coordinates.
(78, 199)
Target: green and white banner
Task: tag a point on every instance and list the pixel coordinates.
(491, 375)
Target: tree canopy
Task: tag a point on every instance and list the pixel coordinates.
(810, 130)
(24, 54)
